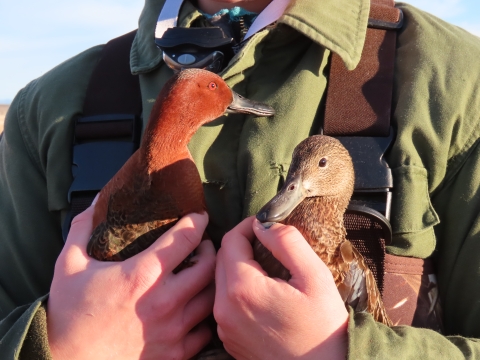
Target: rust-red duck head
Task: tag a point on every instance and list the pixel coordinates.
(160, 183)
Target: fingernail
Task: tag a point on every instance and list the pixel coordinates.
(95, 200)
(199, 218)
(265, 225)
(195, 215)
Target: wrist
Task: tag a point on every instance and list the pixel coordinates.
(335, 347)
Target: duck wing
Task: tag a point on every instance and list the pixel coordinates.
(125, 233)
(142, 206)
(353, 288)
(359, 288)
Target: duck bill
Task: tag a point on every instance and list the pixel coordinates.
(282, 205)
(242, 105)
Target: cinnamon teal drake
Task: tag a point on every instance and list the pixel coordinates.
(314, 198)
(160, 182)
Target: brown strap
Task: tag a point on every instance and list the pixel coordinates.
(359, 101)
(411, 294)
(359, 104)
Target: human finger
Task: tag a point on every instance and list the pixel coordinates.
(222, 308)
(220, 280)
(75, 249)
(199, 308)
(196, 340)
(236, 244)
(176, 244)
(190, 281)
(238, 253)
(243, 229)
(289, 247)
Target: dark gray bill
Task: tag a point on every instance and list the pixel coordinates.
(246, 106)
(282, 204)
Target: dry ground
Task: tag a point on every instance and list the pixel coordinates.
(3, 111)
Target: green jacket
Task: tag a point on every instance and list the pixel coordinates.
(435, 160)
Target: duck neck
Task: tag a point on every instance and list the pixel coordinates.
(323, 228)
(167, 135)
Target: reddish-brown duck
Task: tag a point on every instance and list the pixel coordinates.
(160, 182)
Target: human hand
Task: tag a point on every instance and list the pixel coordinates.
(135, 308)
(267, 318)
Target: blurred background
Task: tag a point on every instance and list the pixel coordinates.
(37, 35)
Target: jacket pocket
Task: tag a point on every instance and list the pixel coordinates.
(412, 216)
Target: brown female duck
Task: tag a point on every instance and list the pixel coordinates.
(314, 198)
(160, 182)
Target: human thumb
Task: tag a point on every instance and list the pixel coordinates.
(289, 247)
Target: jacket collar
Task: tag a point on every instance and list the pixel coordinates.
(338, 25)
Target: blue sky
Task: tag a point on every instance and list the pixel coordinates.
(37, 35)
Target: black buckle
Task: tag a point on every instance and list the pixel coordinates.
(102, 144)
(372, 196)
(386, 25)
(373, 177)
(98, 155)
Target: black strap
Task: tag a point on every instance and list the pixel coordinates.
(113, 89)
(108, 132)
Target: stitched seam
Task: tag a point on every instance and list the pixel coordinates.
(293, 20)
(330, 44)
(357, 28)
(24, 129)
(405, 272)
(404, 265)
(430, 208)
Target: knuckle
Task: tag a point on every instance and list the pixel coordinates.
(189, 237)
(66, 264)
(238, 294)
(61, 263)
(82, 218)
(177, 352)
(221, 315)
(222, 335)
(163, 307)
(228, 238)
(290, 232)
(291, 237)
(233, 293)
(140, 279)
(224, 311)
(174, 335)
(209, 265)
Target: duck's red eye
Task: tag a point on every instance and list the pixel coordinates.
(322, 162)
(291, 188)
(212, 86)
